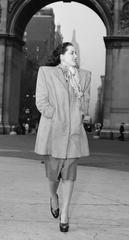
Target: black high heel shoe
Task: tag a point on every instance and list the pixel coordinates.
(64, 227)
(54, 212)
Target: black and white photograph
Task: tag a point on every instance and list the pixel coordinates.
(64, 120)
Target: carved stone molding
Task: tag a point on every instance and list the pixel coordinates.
(11, 40)
(124, 17)
(109, 3)
(116, 42)
(11, 5)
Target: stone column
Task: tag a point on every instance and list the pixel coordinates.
(11, 85)
(116, 95)
(3, 24)
(2, 60)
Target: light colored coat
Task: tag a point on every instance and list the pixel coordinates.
(60, 132)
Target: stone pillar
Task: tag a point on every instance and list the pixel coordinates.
(3, 15)
(3, 24)
(116, 95)
(2, 60)
(11, 84)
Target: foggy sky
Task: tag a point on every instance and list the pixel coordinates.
(90, 31)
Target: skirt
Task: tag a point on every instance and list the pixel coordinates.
(60, 168)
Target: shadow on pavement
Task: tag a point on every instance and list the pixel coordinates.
(115, 162)
(104, 153)
(120, 162)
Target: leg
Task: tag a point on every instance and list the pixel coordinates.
(68, 178)
(122, 136)
(52, 166)
(53, 186)
(67, 187)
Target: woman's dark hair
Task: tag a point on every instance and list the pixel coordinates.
(54, 59)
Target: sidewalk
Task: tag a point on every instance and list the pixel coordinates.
(99, 209)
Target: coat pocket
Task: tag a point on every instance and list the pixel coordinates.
(49, 111)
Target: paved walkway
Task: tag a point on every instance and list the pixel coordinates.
(99, 209)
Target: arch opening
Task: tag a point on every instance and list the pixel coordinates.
(91, 63)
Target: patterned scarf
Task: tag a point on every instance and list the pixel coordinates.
(72, 76)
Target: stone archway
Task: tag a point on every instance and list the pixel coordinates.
(114, 14)
(27, 9)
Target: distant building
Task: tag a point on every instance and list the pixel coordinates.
(40, 38)
(99, 104)
(58, 36)
(76, 45)
(87, 72)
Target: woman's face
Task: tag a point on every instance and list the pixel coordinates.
(69, 58)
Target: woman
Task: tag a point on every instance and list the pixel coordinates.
(61, 97)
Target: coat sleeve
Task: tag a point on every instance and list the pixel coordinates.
(42, 96)
(86, 91)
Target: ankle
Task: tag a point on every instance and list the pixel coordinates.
(64, 217)
(54, 200)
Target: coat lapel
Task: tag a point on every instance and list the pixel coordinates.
(60, 76)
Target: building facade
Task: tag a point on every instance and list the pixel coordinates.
(99, 103)
(40, 38)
